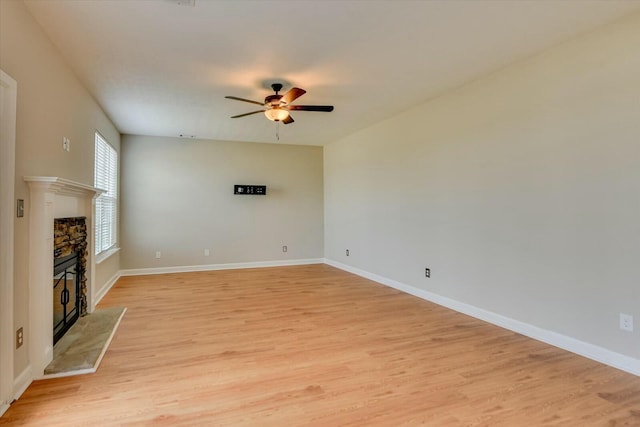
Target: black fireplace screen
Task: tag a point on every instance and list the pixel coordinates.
(66, 294)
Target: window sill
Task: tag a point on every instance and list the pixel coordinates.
(103, 256)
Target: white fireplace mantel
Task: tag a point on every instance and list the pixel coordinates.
(62, 186)
(45, 191)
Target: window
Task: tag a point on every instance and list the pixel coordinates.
(106, 178)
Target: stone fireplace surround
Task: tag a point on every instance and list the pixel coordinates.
(50, 198)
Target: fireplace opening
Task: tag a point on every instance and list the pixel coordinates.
(66, 294)
(69, 273)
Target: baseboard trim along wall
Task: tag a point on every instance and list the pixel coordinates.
(21, 382)
(211, 267)
(104, 289)
(590, 351)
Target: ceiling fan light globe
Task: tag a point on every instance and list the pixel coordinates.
(276, 114)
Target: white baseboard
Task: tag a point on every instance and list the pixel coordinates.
(21, 382)
(211, 267)
(104, 289)
(590, 351)
(38, 371)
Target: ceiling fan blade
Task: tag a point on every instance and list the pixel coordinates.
(288, 120)
(247, 114)
(245, 100)
(293, 94)
(324, 108)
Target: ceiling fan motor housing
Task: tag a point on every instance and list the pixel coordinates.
(272, 100)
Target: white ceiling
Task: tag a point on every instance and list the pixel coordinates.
(160, 68)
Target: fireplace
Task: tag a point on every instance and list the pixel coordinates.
(69, 278)
(51, 198)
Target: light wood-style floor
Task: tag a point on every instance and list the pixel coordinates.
(315, 346)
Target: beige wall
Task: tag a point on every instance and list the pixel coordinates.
(521, 191)
(51, 104)
(177, 198)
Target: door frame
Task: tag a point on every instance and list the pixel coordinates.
(8, 103)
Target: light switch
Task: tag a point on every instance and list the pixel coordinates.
(20, 208)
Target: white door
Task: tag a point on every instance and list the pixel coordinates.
(8, 98)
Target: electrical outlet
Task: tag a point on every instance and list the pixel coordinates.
(66, 144)
(347, 252)
(284, 249)
(427, 272)
(207, 252)
(19, 338)
(158, 255)
(626, 322)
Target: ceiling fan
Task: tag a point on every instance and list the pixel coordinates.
(277, 107)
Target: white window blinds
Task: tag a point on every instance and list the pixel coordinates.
(106, 178)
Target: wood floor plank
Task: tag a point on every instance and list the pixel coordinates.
(316, 346)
